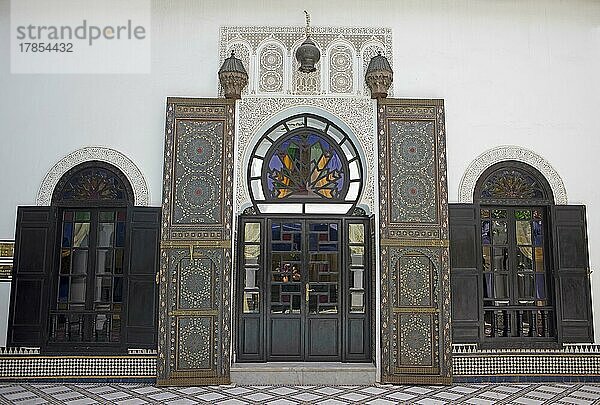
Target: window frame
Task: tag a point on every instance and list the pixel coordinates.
(544, 201)
(94, 206)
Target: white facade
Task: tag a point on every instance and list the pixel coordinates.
(511, 73)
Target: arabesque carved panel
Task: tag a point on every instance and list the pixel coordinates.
(413, 231)
(195, 261)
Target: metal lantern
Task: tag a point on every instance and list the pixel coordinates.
(379, 76)
(233, 77)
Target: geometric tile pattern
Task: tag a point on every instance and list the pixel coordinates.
(76, 394)
(21, 368)
(573, 360)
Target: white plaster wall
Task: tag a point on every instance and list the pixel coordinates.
(510, 71)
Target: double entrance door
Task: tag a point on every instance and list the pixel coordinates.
(303, 291)
(304, 284)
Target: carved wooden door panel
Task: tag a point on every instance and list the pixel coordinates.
(413, 231)
(195, 261)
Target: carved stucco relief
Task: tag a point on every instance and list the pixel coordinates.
(268, 53)
(510, 152)
(356, 113)
(114, 157)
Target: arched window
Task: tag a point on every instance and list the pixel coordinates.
(77, 261)
(305, 164)
(518, 299)
(88, 303)
(519, 268)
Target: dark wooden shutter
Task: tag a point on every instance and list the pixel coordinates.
(142, 260)
(465, 275)
(572, 276)
(33, 263)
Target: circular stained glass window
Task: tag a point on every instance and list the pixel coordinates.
(305, 164)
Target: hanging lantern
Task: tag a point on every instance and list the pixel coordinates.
(308, 54)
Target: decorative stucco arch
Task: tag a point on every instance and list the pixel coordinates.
(510, 152)
(111, 156)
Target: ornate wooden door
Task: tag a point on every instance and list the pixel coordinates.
(195, 301)
(413, 230)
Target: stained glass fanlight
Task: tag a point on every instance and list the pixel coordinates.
(305, 164)
(93, 182)
(512, 182)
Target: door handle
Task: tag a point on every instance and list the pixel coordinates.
(308, 290)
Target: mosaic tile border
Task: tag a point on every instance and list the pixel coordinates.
(572, 361)
(22, 367)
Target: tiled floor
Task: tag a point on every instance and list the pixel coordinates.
(475, 394)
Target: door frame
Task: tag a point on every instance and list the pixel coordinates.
(256, 323)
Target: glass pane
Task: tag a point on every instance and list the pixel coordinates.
(356, 233)
(539, 259)
(523, 229)
(251, 302)
(67, 237)
(540, 286)
(77, 289)
(499, 232)
(115, 330)
(118, 261)
(120, 239)
(524, 257)
(522, 215)
(63, 289)
(486, 236)
(105, 234)
(103, 289)
(501, 286)
(501, 259)
(250, 281)
(118, 289)
(333, 232)
(103, 261)
(525, 285)
(537, 214)
(79, 262)
(485, 213)
(499, 214)
(65, 261)
(82, 216)
(252, 232)
(357, 255)
(487, 260)
(251, 253)
(487, 286)
(357, 279)
(357, 301)
(68, 216)
(82, 233)
(107, 216)
(537, 233)
(101, 327)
